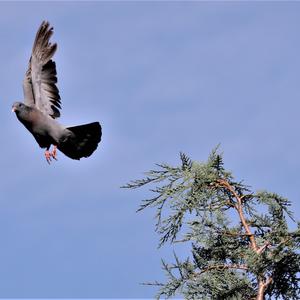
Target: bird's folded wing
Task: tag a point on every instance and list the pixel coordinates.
(39, 84)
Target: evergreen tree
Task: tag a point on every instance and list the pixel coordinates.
(241, 246)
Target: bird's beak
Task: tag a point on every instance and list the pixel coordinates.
(13, 109)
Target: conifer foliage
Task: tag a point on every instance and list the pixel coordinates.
(241, 246)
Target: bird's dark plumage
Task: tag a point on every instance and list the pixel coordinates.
(82, 142)
(42, 105)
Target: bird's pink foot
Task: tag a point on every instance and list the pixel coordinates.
(54, 152)
(48, 156)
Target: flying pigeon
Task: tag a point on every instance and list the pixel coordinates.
(42, 103)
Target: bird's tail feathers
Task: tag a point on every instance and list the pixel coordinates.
(82, 141)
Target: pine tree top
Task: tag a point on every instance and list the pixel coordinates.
(241, 246)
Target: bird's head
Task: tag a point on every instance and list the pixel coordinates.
(17, 107)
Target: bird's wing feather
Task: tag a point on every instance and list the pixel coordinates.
(40, 80)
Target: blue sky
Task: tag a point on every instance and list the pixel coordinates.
(161, 77)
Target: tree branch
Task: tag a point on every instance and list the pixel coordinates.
(239, 208)
(263, 247)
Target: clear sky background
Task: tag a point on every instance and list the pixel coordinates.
(161, 77)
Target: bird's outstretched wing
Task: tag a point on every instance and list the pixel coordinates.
(39, 84)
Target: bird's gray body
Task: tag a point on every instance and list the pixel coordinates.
(51, 132)
(42, 104)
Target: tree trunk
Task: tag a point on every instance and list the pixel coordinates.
(262, 286)
(261, 291)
